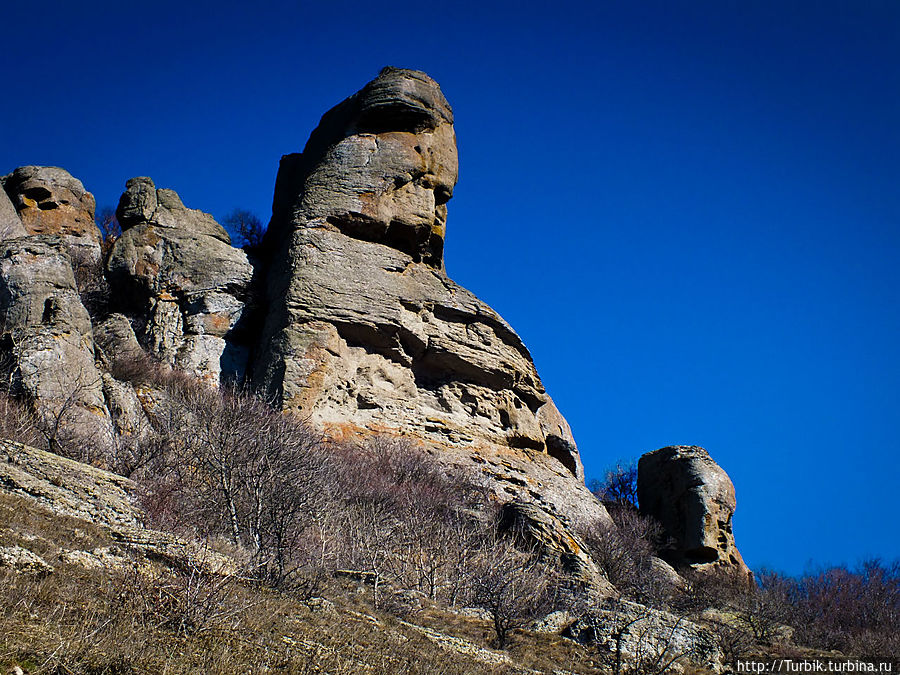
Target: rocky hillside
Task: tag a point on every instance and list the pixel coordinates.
(141, 352)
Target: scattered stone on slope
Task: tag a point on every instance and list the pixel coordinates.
(69, 488)
(365, 333)
(65, 487)
(693, 499)
(646, 636)
(50, 200)
(10, 223)
(47, 339)
(178, 275)
(23, 561)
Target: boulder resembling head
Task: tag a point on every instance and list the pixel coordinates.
(50, 200)
(380, 166)
(693, 499)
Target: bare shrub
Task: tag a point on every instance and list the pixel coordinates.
(245, 228)
(515, 587)
(410, 523)
(619, 485)
(624, 553)
(854, 611)
(244, 470)
(90, 280)
(18, 421)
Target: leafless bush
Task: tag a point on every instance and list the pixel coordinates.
(854, 611)
(18, 421)
(186, 600)
(410, 523)
(90, 280)
(515, 587)
(619, 486)
(625, 552)
(109, 227)
(244, 469)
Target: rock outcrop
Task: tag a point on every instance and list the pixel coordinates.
(47, 338)
(693, 499)
(365, 331)
(50, 200)
(175, 272)
(635, 635)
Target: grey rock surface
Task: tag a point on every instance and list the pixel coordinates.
(67, 487)
(365, 333)
(10, 223)
(50, 200)
(23, 561)
(693, 499)
(645, 638)
(175, 272)
(46, 333)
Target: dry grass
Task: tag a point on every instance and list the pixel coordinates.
(145, 618)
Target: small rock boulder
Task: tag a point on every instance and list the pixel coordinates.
(23, 561)
(693, 499)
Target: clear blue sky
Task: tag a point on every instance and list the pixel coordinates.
(689, 209)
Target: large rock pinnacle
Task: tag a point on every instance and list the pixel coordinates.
(380, 167)
(365, 332)
(693, 499)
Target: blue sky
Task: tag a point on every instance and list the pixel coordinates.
(689, 209)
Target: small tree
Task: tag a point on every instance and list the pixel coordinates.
(515, 587)
(245, 228)
(619, 486)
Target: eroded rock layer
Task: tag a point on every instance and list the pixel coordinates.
(49, 200)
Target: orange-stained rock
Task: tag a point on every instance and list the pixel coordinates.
(50, 200)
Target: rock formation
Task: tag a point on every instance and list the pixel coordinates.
(50, 200)
(365, 331)
(47, 338)
(693, 499)
(536, 528)
(176, 274)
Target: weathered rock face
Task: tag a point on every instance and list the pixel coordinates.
(364, 330)
(10, 223)
(46, 331)
(50, 200)
(693, 498)
(174, 270)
